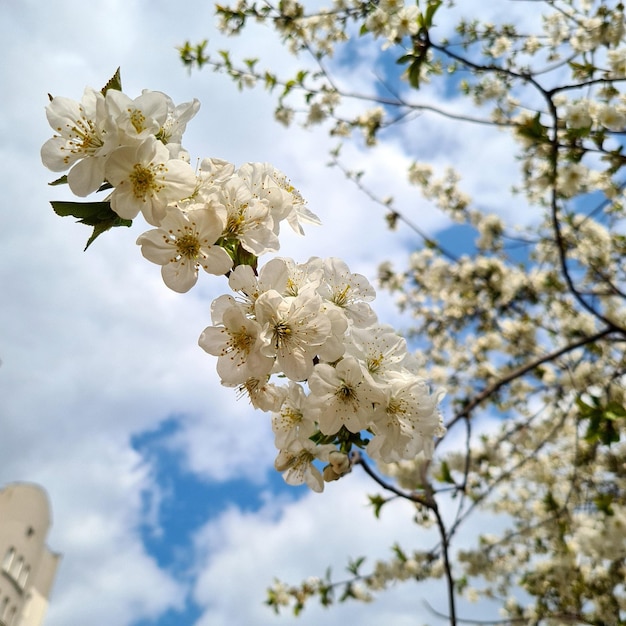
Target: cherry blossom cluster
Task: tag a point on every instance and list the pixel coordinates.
(301, 340)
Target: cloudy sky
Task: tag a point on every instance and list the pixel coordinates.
(166, 507)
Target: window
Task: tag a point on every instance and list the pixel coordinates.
(24, 576)
(8, 560)
(16, 570)
(4, 608)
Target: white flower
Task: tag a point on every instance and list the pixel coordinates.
(378, 347)
(171, 131)
(577, 115)
(500, 46)
(420, 173)
(284, 200)
(214, 172)
(284, 115)
(342, 396)
(348, 292)
(273, 275)
(249, 286)
(237, 345)
(290, 422)
(249, 219)
(258, 177)
(376, 21)
(610, 117)
(147, 180)
(136, 119)
(572, 178)
(339, 465)
(263, 395)
(297, 463)
(82, 143)
(184, 243)
(289, 277)
(404, 23)
(408, 422)
(293, 329)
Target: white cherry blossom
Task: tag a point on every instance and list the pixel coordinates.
(136, 119)
(146, 180)
(296, 463)
(237, 344)
(83, 142)
(293, 330)
(291, 423)
(342, 396)
(184, 243)
(249, 219)
(349, 292)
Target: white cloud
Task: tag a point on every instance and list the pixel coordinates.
(240, 553)
(105, 572)
(244, 551)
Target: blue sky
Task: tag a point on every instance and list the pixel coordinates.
(165, 504)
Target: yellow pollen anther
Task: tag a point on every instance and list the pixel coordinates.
(142, 180)
(188, 246)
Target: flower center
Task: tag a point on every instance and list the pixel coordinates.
(341, 298)
(346, 394)
(83, 138)
(241, 341)
(235, 222)
(188, 246)
(138, 120)
(396, 407)
(290, 416)
(375, 363)
(143, 181)
(282, 333)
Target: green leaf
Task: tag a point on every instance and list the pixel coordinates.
(614, 410)
(377, 503)
(533, 129)
(399, 552)
(102, 227)
(414, 73)
(354, 565)
(85, 211)
(445, 476)
(226, 58)
(270, 81)
(602, 426)
(348, 593)
(405, 58)
(431, 9)
(115, 82)
(96, 214)
(603, 501)
(59, 181)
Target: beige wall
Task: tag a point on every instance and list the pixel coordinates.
(27, 567)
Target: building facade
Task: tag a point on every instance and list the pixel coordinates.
(27, 566)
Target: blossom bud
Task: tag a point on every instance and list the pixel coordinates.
(339, 462)
(329, 474)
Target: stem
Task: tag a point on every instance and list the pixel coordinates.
(446, 563)
(524, 369)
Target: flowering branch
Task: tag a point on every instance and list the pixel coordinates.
(350, 380)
